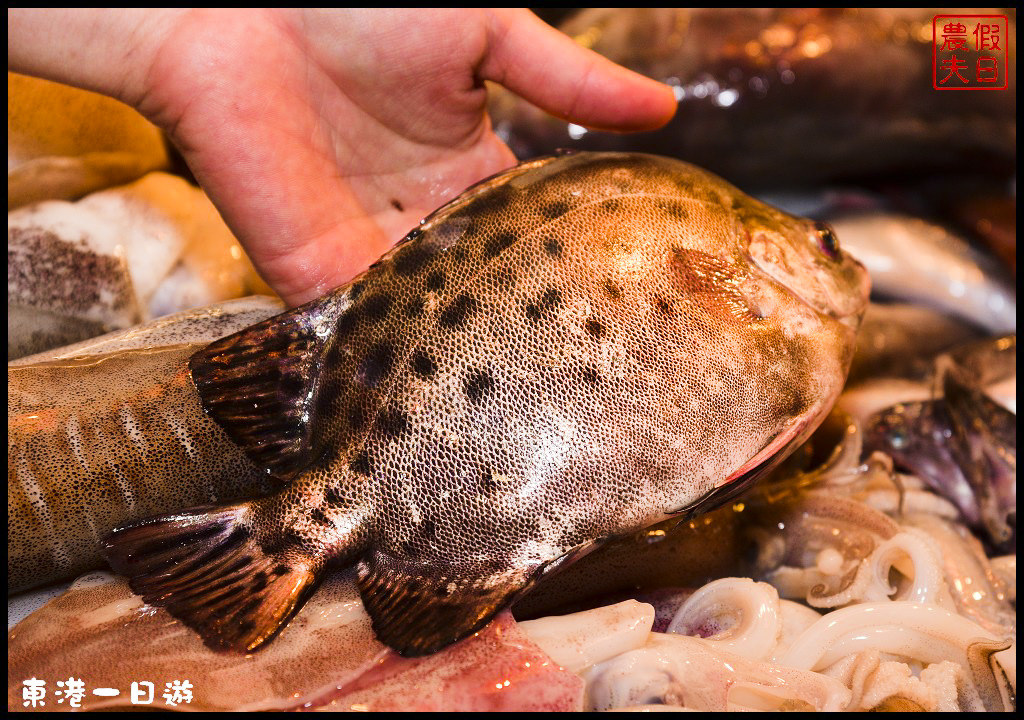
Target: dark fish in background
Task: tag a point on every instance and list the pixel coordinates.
(574, 349)
(112, 431)
(962, 443)
(788, 96)
(901, 340)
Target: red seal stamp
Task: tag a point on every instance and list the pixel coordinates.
(970, 52)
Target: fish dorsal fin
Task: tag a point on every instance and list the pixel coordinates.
(260, 384)
(420, 608)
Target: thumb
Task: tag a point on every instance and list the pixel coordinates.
(548, 69)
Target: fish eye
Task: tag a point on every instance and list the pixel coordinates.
(827, 240)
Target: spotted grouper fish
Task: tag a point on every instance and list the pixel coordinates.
(569, 351)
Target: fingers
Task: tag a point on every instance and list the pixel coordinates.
(547, 68)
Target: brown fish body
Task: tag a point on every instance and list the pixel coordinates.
(572, 350)
(113, 432)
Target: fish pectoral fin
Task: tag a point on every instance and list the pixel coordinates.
(261, 384)
(204, 567)
(419, 608)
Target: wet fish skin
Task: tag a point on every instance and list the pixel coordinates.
(786, 96)
(571, 350)
(113, 431)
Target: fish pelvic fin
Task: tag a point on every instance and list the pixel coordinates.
(261, 384)
(205, 567)
(418, 608)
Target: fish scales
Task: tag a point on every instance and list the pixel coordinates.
(122, 462)
(571, 350)
(112, 431)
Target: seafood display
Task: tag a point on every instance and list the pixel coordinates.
(867, 594)
(787, 96)
(114, 259)
(603, 433)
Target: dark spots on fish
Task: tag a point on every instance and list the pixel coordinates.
(674, 209)
(392, 422)
(611, 205)
(412, 259)
(360, 464)
(458, 252)
(487, 482)
(794, 404)
(259, 581)
(396, 205)
(334, 497)
(376, 306)
(441, 590)
(456, 314)
(246, 626)
(377, 364)
(555, 209)
(663, 305)
(249, 608)
(345, 326)
(591, 376)
(553, 247)
(595, 328)
(499, 243)
(422, 364)
(355, 290)
(415, 307)
(685, 187)
(549, 301)
(320, 517)
(286, 541)
(495, 201)
(356, 416)
(478, 383)
(428, 530)
(612, 289)
(280, 570)
(435, 281)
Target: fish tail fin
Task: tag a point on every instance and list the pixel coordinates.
(205, 567)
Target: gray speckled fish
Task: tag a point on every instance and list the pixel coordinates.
(111, 431)
(574, 349)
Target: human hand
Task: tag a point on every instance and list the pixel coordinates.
(323, 136)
